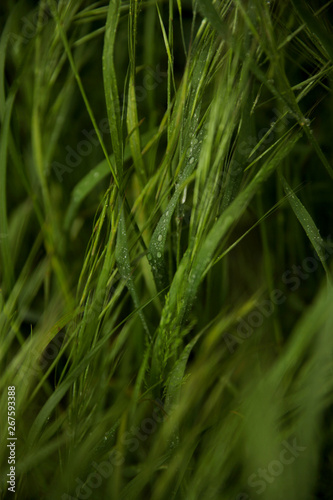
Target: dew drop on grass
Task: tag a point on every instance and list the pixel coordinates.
(192, 160)
(149, 256)
(159, 255)
(184, 195)
(159, 237)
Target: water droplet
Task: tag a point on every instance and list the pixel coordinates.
(149, 256)
(159, 237)
(184, 195)
(192, 160)
(159, 255)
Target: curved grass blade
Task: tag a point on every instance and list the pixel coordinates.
(124, 265)
(158, 239)
(308, 225)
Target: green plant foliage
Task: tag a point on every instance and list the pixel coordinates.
(166, 250)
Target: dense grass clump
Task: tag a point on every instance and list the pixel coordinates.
(166, 249)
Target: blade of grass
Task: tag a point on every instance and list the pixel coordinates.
(308, 225)
(83, 92)
(110, 85)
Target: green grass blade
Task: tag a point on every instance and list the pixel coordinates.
(124, 265)
(314, 26)
(92, 179)
(110, 84)
(7, 268)
(225, 221)
(83, 93)
(308, 225)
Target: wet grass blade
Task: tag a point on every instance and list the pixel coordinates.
(308, 225)
(110, 84)
(124, 265)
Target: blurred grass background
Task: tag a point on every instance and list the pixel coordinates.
(165, 236)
